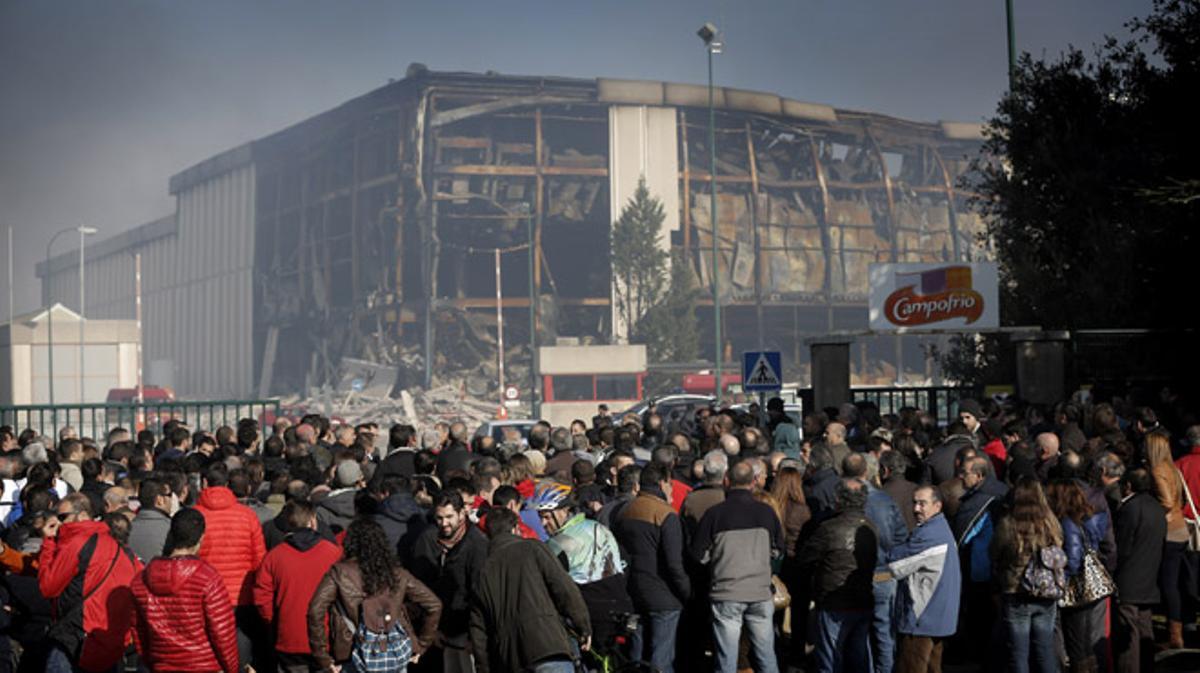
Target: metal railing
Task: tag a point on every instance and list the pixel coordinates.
(95, 420)
(940, 401)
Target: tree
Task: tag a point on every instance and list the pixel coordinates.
(1093, 206)
(639, 267)
(669, 328)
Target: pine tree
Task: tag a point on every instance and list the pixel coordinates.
(639, 267)
(669, 328)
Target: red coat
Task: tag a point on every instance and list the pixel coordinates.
(184, 618)
(108, 611)
(1189, 467)
(679, 493)
(285, 583)
(999, 456)
(523, 530)
(233, 542)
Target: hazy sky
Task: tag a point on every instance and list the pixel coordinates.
(101, 102)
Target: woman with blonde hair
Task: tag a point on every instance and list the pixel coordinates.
(1023, 542)
(1168, 484)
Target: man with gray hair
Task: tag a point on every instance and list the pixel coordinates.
(1111, 469)
(563, 454)
(1047, 454)
(835, 441)
(737, 540)
(457, 455)
(711, 492)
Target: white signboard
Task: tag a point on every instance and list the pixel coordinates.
(925, 297)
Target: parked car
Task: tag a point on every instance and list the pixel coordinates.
(674, 409)
(496, 428)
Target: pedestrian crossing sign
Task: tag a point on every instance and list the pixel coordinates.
(762, 371)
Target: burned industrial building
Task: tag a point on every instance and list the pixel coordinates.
(371, 231)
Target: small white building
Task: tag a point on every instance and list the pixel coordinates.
(107, 351)
(577, 379)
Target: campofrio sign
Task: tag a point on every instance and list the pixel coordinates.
(915, 297)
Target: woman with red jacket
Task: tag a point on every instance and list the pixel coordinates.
(184, 619)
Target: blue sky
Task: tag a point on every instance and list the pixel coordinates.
(100, 102)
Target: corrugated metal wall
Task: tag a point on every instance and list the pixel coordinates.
(197, 286)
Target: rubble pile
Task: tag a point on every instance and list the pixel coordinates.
(417, 406)
(364, 391)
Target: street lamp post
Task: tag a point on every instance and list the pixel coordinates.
(533, 298)
(84, 232)
(712, 45)
(1012, 43)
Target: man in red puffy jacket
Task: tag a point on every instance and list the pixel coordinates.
(85, 572)
(184, 617)
(286, 581)
(235, 550)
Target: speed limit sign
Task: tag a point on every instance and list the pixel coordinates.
(511, 393)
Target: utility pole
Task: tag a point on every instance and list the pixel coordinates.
(712, 45)
(1012, 43)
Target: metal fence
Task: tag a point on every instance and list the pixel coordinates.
(940, 401)
(95, 420)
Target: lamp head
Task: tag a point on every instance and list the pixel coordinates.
(87, 231)
(711, 37)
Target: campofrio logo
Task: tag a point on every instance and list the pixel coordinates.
(944, 294)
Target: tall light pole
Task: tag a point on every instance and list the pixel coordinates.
(84, 232)
(50, 323)
(712, 45)
(1012, 43)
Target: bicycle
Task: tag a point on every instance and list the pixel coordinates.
(610, 657)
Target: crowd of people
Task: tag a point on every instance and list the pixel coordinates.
(1017, 538)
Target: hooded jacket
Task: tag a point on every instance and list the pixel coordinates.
(336, 510)
(403, 520)
(148, 533)
(85, 560)
(285, 583)
(234, 545)
(184, 617)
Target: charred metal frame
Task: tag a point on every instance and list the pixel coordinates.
(371, 219)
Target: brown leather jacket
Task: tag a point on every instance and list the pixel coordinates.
(343, 585)
(1169, 486)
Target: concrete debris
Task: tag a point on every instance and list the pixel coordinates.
(421, 408)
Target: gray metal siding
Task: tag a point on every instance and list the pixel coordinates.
(197, 287)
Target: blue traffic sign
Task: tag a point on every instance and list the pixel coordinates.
(762, 371)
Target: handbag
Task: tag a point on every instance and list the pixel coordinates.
(780, 595)
(1090, 584)
(1193, 525)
